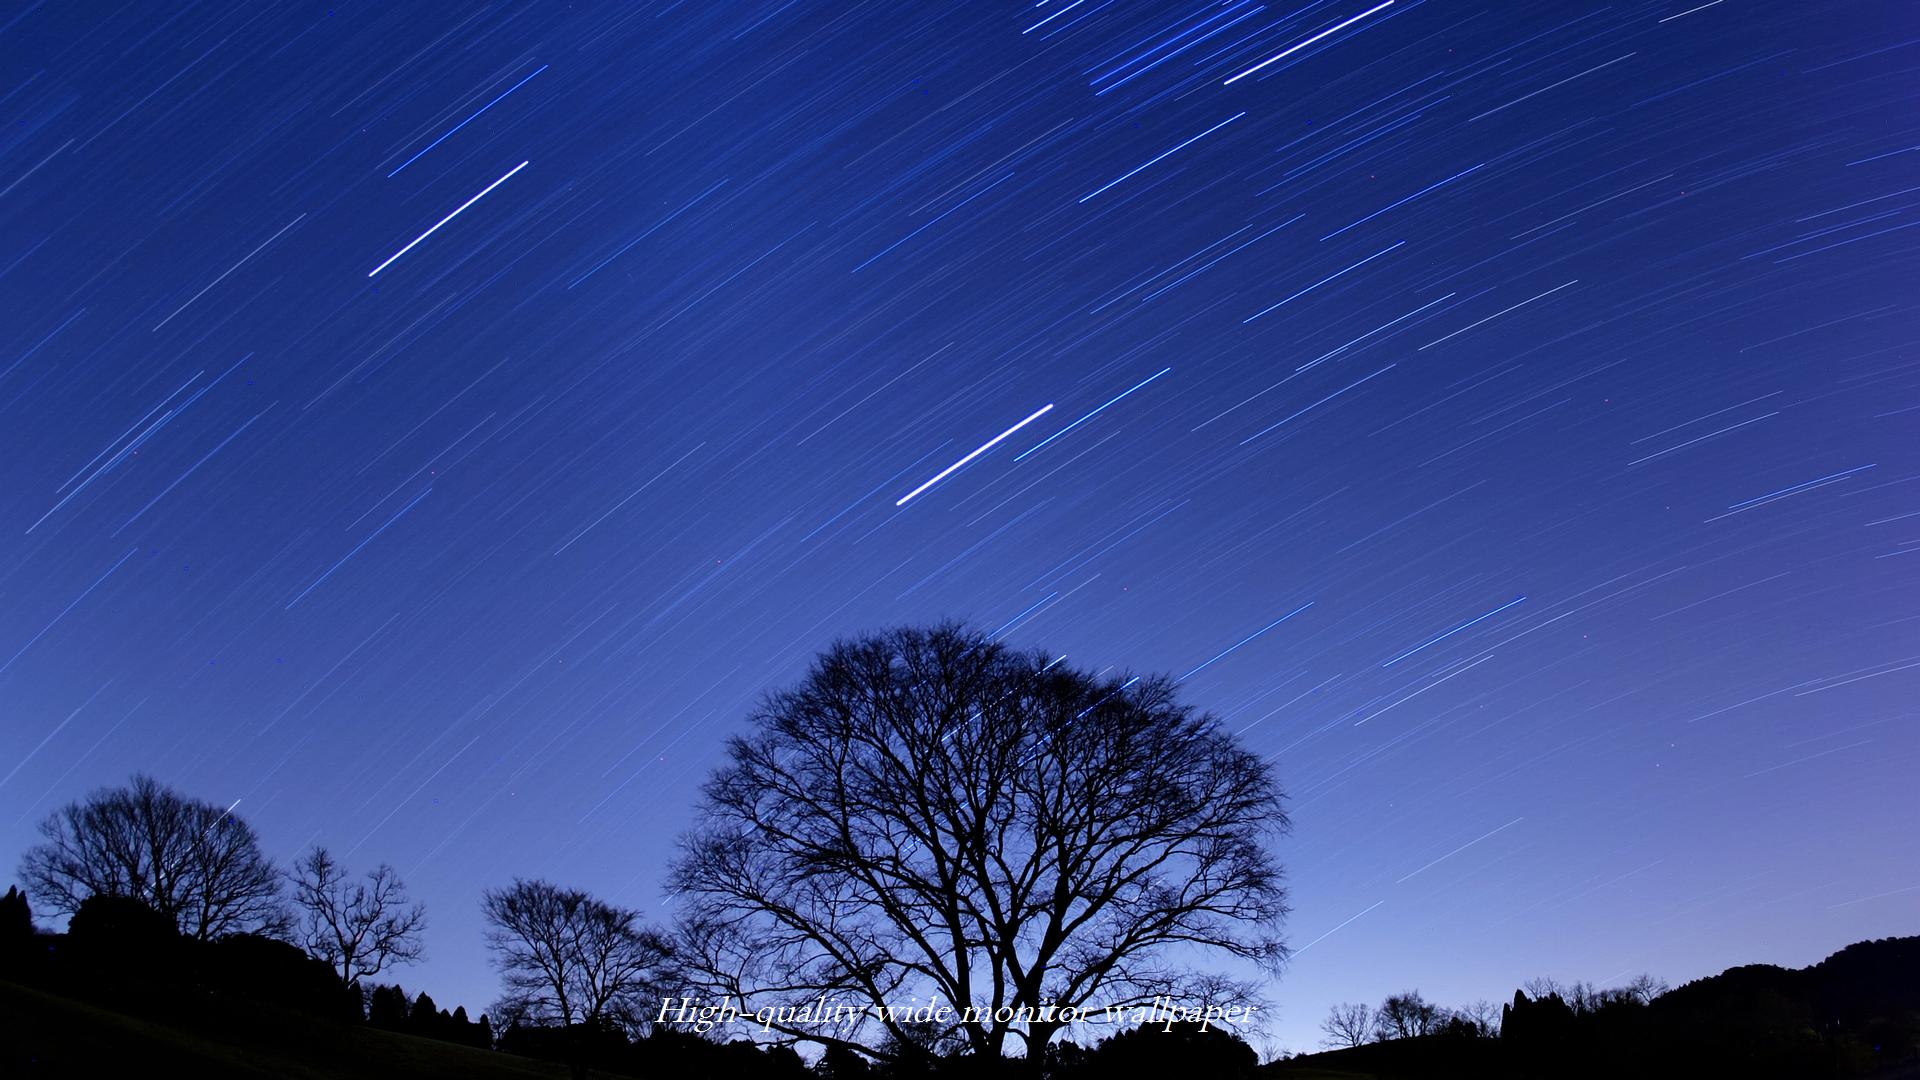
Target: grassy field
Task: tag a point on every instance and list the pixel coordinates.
(42, 1035)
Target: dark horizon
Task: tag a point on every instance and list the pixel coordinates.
(430, 431)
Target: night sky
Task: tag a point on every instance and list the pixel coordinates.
(433, 426)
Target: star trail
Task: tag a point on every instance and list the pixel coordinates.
(435, 425)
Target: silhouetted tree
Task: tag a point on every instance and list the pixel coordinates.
(191, 861)
(423, 1016)
(1481, 1017)
(930, 813)
(16, 916)
(1347, 1025)
(840, 1062)
(16, 930)
(1066, 1060)
(120, 951)
(1543, 986)
(568, 958)
(460, 1029)
(387, 1008)
(360, 928)
(917, 1049)
(1644, 988)
(783, 1062)
(117, 941)
(580, 1047)
(1179, 1049)
(1855, 1014)
(682, 1055)
(263, 969)
(1537, 1026)
(1404, 1016)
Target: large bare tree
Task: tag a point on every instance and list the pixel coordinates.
(930, 816)
(1405, 1016)
(361, 928)
(567, 958)
(1347, 1025)
(192, 861)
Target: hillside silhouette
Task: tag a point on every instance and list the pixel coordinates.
(122, 991)
(1854, 1014)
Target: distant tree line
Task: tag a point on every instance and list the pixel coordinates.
(927, 814)
(389, 1010)
(1854, 1014)
(1408, 1015)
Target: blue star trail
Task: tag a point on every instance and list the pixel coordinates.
(1408, 309)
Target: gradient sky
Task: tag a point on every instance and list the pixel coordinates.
(1560, 356)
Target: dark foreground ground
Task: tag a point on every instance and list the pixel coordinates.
(44, 1035)
(257, 1009)
(1415, 1059)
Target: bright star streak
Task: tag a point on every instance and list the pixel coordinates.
(57, 729)
(1460, 849)
(1455, 630)
(1324, 33)
(625, 501)
(1690, 11)
(1093, 414)
(990, 444)
(1163, 157)
(464, 123)
(444, 220)
(64, 611)
(1404, 201)
(1495, 315)
(1382, 711)
(1244, 640)
(1321, 282)
(1335, 930)
(1302, 412)
(230, 270)
(356, 549)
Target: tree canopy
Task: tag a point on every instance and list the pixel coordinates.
(931, 815)
(195, 863)
(569, 958)
(359, 928)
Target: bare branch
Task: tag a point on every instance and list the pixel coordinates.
(567, 958)
(360, 928)
(196, 863)
(930, 815)
(1348, 1025)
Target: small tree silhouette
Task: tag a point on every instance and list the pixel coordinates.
(1348, 1025)
(359, 928)
(1405, 1016)
(573, 962)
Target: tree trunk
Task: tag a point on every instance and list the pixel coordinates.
(1036, 1061)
